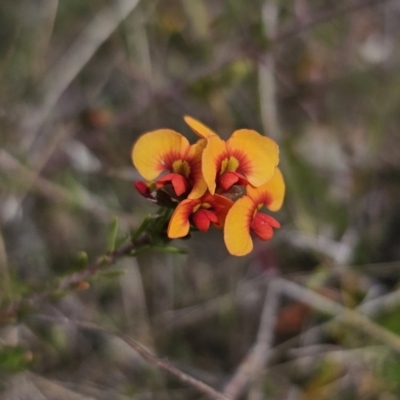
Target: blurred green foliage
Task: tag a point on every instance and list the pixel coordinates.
(14, 359)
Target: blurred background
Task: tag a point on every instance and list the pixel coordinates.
(81, 80)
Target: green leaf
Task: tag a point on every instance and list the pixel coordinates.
(170, 249)
(140, 250)
(113, 273)
(121, 240)
(161, 222)
(141, 228)
(112, 238)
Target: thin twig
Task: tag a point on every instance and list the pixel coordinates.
(74, 281)
(231, 56)
(323, 17)
(57, 193)
(370, 308)
(107, 20)
(266, 75)
(258, 355)
(5, 284)
(189, 316)
(344, 314)
(162, 364)
(76, 57)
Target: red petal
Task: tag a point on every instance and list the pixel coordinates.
(211, 215)
(227, 180)
(142, 188)
(179, 182)
(262, 225)
(202, 219)
(164, 180)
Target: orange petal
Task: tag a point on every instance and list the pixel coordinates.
(194, 157)
(154, 152)
(213, 154)
(237, 227)
(179, 224)
(258, 155)
(271, 194)
(199, 128)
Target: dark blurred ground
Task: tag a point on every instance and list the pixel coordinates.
(80, 80)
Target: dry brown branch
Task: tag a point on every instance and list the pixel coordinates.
(257, 357)
(162, 364)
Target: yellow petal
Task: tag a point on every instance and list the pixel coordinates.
(213, 155)
(155, 152)
(179, 224)
(258, 155)
(199, 128)
(237, 227)
(195, 156)
(271, 194)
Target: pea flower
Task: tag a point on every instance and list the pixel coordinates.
(167, 151)
(244, 216)
(202, 213)
(246, 157)
(213, 182)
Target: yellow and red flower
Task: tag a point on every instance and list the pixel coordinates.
(202, 213)
(201, 180)
(167, 151)
(244, 215)
(246, 157)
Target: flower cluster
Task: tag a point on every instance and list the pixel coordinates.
(212, 182)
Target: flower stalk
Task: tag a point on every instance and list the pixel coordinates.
(150, 235)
